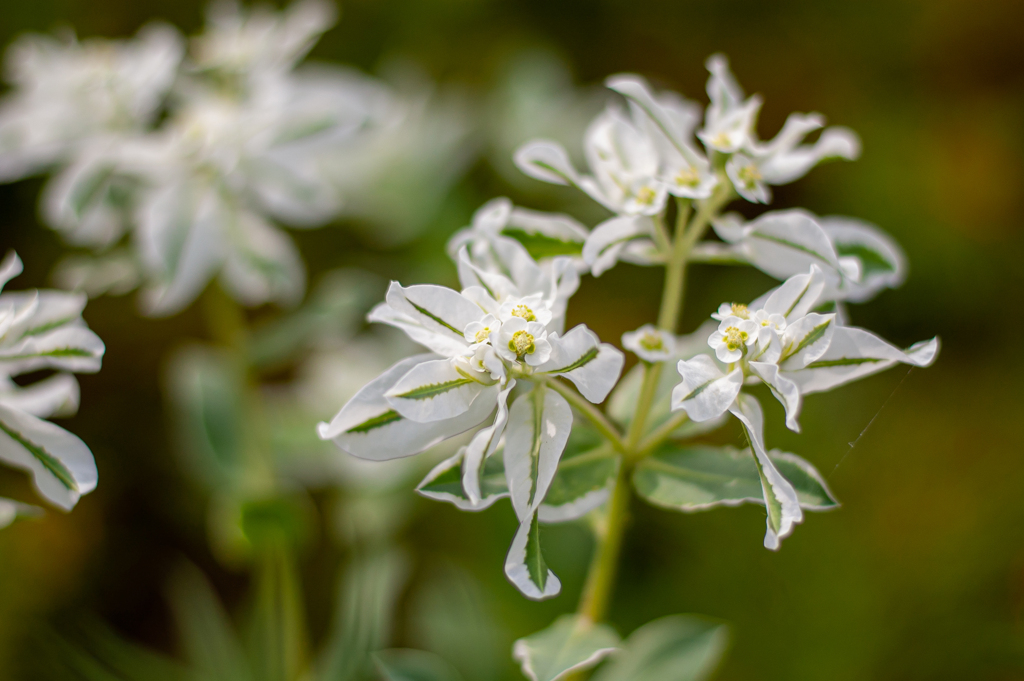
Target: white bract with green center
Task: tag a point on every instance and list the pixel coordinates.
(794, 352)
(44, 330)
(650, 343)
(481, 348)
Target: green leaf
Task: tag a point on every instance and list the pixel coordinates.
(588, 465)
(449, 481)
(208, 638)
(674, 648)
(571, 643)
(535, 563)
(362, 616)
(542, 245)
(697, 478)
(414, 665)
(278, 645)
(206, 388)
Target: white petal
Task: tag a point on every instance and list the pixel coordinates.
(57, 395)
(436, 308)
(483, 445)
(369, 428)
(591, 365)
(855, 353)
(780, 498)
(806, 339)
(705, 392)
(61, 465)
(788, 242)
(67, 348)
(785, 391)
(9, 268)
(882, 262)
(263, 264)
(797, 296)
(786, 166)
(610, 234)
(442, 344)
(547, 161)
(433, 391)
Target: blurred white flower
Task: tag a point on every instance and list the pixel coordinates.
(70, 97)
(44, 330)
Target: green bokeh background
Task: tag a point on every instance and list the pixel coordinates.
(920, 575)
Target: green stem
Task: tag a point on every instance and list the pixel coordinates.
(661, 434)
(599, 421)
(601, 577)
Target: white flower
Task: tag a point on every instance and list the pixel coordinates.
(476, 360)
(44, 330)
(650, 343)
(732, 338)
(798, 352)
(520, 340)
(753, 165)
(729, 119)
(69, 97)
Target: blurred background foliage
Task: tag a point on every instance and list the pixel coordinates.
(919, 576)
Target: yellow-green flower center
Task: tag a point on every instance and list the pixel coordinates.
(524, 312)
(733, 338)
(720, 140)
(482, 335)
(522, 343)
(750, 175)
(645, 196)
(651, 341)
(687, 177)
(740, 310)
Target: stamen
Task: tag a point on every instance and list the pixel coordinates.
(521, 343)
(524, 312)
(733, 338)
(652, 341)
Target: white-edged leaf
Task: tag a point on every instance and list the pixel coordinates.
(701, 477)
(705, 392)
(436, 308)
(855, 353)
(673, 648)
(571, 643)
(61, 465)
(445, 482)
(593, 367)
(538, 428)
(781, 502)
(369, 428)
(546, 161)
(525, 566)
(433, 391)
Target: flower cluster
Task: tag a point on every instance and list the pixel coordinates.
(172, 165)
(500, 332)
(649, 164)
(43, 330)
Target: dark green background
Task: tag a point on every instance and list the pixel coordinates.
(919, 576)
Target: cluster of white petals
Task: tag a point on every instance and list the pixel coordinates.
(780, 341)
(175, 162)
(39, 331)
(504, 330)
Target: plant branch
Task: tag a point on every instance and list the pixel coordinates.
(599, 420)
